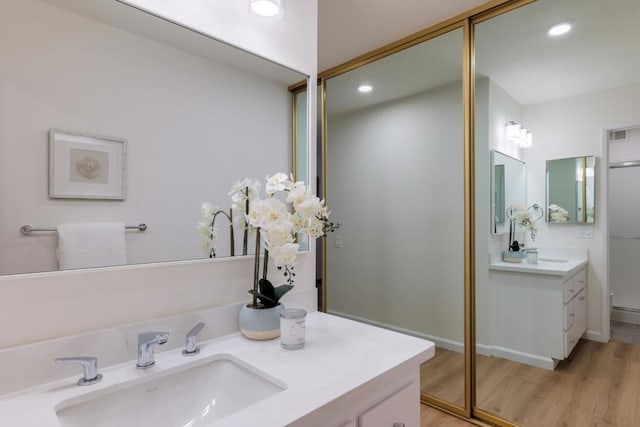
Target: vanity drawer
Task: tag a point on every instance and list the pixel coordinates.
(579, 281)
(569, 342)
(568, 290)
(574, 285)
(398, 409)
(569, 314)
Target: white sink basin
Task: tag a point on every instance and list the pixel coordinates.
(192, 397)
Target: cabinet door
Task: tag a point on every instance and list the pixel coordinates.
(580, 314)
(568, 315)
(400, 409)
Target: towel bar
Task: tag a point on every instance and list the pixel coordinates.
(27, 229)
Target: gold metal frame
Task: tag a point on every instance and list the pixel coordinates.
(294, 90)
(294, 135)
(467, 22)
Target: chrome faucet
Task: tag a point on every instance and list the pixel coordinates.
(146, 345)
(191, 342)
(89, 365)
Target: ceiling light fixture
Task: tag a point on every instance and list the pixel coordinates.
(364, 88)
(559, 29)
(267, 8)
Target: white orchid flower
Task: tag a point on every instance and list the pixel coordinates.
(278, 182)
(266, 213)
(298, 193)
(279, 234)
(243, 190)
(284, 255)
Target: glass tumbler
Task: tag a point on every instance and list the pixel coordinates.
(292, 328)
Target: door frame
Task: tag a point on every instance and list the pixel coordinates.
(604, 215)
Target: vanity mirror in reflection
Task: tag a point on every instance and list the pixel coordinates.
(571, 190)
(195, 112)
(508, 188)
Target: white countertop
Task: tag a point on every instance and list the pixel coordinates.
(339, 356)
(549, 266)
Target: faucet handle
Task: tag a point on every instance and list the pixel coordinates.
(89, 365)
(153, 337)
(191, 346)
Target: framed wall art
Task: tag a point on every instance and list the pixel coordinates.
(85, 166)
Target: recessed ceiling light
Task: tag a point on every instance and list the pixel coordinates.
(268, 8)
(560, 29)
(365, 88)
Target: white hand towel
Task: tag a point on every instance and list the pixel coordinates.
(87, 245)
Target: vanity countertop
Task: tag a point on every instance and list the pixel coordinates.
(553, 266)
(340, 356)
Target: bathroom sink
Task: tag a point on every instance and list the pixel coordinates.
(548, 259)
(189, 398)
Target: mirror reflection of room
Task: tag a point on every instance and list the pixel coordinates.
(186, 146)
(572, 313)
(394, 173)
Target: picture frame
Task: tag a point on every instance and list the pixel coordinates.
(83, 166)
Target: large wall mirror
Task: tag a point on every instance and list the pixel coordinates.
(196, 115)
(394, 136)
(571, 190)
(558, 82)
(508, 187)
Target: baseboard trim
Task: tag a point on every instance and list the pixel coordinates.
(443, 343)
(439, 342)
(627, 316)
(526, 358)
(594, 336)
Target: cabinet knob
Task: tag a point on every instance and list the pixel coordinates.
(572, 315)
(580, 281)
(583, 298)
(398, 424)
(572, 290)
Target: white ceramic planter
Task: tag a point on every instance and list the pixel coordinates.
(260, 324)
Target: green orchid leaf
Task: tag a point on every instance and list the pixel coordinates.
(266, 288)
(281, 290)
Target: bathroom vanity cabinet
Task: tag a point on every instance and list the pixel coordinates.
(348, 374)
(540, 311)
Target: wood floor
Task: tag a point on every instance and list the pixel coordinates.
(433, 418)
(598, 385)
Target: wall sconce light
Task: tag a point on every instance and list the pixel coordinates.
(267, 8)
(512, 131)
(517, 134)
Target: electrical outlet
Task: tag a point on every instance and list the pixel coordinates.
(338, 241)
(585, 232)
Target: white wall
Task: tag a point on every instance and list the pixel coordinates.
(572, 127)
(144, 292)
(184, 118)
(394, 182)
(494, 109)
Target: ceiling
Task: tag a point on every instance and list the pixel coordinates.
(348, 28)
(514, 50)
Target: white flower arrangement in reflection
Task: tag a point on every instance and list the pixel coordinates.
(525, 218)
(276, 220)
(558, 213)
(208, 230)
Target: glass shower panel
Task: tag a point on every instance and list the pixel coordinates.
(395, 183)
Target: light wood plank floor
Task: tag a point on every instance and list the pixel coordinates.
(598, 385)
(431, 417)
